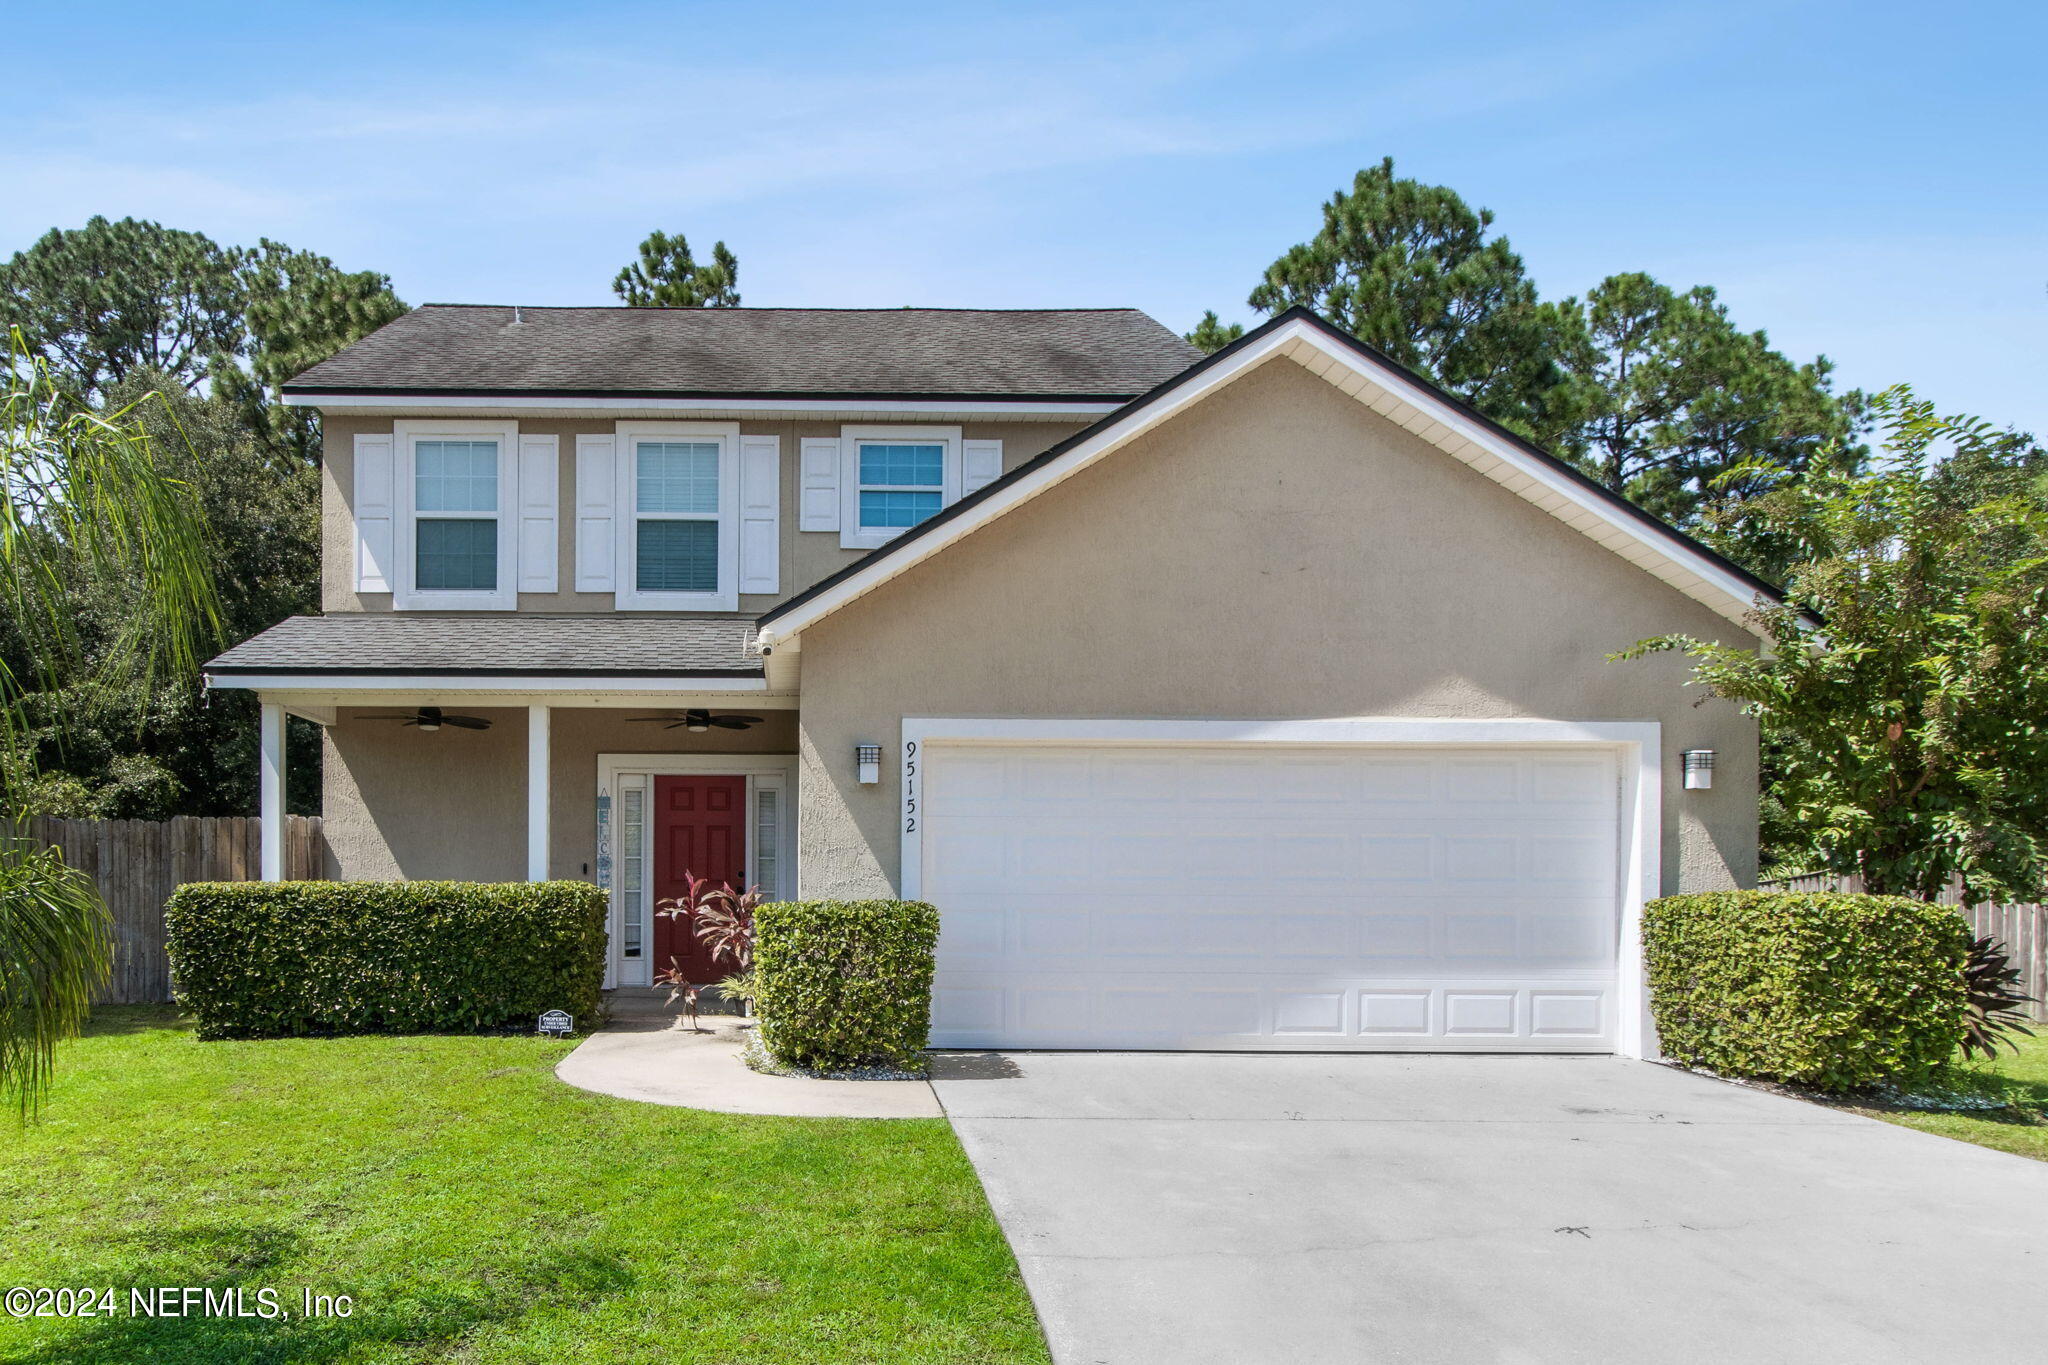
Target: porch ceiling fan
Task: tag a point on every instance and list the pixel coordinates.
(433, 718)
(695, 720)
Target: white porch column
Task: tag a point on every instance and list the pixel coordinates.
(537, 750)
(271, 792)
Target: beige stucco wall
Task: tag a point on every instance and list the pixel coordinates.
(1279, 551)
(807, 556)
(452, 803)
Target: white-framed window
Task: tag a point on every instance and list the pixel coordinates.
(457, 488)
(632, 868)
(770, 792)
(678, 495)
(892, 478)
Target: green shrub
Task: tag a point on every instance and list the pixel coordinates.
(277, 959)
(1837, 992)
(841, 984)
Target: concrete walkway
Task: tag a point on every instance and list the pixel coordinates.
(1190, 1209)
(643, 1058)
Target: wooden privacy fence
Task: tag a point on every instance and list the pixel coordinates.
(2021, 926)
(139, 863)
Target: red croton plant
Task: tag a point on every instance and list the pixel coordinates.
(722, 919)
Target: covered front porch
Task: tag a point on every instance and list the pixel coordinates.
(468, 758)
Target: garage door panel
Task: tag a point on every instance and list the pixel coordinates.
(1052, 933)
(975, 856)
(1479, 1013)
(1056, 1011)
(1480, 858)
(1482, 937)
(1394, 1013)
(1579, 857)
(978, 783)
(1469, 781)
(1560, 780)
(1332, 935)
(1309, 1012)
(1566, 1014)
(1257, 897)
(1400, 780)
(1393, 936)
(965, 932)
(1397, 857)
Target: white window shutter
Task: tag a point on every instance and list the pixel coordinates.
(981, 464)
(760, 513)
(597, 499)
(818, 477)
(539, 538)
(375, 511)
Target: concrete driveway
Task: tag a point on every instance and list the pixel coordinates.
(1188, 1208)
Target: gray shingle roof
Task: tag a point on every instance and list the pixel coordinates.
(1109, 353)
(367, 642)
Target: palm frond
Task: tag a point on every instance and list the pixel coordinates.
(87, 492)
(83, 493)
(55, 952)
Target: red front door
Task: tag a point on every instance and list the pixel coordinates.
(700, 828)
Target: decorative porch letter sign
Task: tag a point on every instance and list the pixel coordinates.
(604, 840)
(558, 1023)
(910, 786)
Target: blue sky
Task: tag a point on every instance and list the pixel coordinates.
(1865, 180)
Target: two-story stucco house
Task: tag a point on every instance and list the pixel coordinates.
(1259, 700)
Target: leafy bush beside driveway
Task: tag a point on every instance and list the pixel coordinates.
(1838, 992)
(844, 984)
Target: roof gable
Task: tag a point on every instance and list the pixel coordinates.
(1373, 380)
(1108, 354)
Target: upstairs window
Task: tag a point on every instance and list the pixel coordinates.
(901, 483)
(678, 523)
(675, 526)
(894, 478)
(455, 500)
(455, 512)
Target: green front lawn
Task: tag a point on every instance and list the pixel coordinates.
(2023, 1131)
(476, 1209)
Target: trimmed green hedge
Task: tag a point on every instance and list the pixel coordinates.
(842, 984)
(1837, 992)
(279, 959)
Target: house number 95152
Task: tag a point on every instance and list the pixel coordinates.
(910, 786)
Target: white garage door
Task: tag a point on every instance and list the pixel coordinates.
(1248, 897)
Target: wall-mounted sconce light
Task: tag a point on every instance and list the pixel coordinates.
(1699, 769)
(867, 762)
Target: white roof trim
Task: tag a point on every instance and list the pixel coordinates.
(320, 707)
(1388, 391)
(286, 680)
(855, 407)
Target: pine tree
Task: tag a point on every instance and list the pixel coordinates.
(668, 276)
(1668, 402)
(1211, 335)
(1411, 270)
(110, 300)
(299, 308)
(106, 299)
